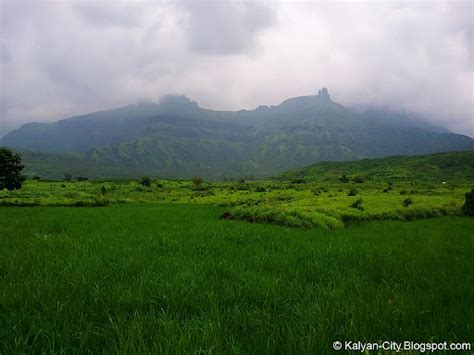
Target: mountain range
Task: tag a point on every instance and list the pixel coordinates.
(176, 138)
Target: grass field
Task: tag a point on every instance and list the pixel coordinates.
(174, 278)
(328, 204)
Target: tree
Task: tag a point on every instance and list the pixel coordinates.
(468, 207)
(10, 170)
(145, 181)
(67, 177)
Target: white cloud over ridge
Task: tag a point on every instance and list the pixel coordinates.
(62, 58)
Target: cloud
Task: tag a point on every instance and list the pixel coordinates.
(221, 28)
(64, 58)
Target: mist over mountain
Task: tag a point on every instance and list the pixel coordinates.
(178, 138)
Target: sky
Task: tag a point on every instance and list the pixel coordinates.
(62, 58)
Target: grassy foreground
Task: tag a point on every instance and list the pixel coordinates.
(173, 278)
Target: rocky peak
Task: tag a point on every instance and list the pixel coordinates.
(324, 93)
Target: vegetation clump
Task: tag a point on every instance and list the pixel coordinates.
(359, 179)
(468, 207)
(145, 181)
(407, 202)
(10, 170)
(357, 204)
(197, 180)
(344, 179)
(352, 192)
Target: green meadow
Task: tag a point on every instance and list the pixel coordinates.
(365, 251)
(174, 278)
(326, 204)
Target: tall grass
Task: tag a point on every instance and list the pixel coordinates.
(175, 279)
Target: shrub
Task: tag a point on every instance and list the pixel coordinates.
(352, 192)
(357, 204)
(81, 178)
(344, 179)
(241, 180)
(298, 181)
(359, 179)
(468, 207)
(103, 190)
(407, 202)
(260, 189)
(145, 181)
(67, 177)
(203, 193)
(240, 187)
(36, 177)
(197, 180)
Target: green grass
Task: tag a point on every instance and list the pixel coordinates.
(173, 278)
(320, 203)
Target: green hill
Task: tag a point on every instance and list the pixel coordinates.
(177, 138)
(453, 166)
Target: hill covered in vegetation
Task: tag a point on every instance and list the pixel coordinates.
(458, 166)
(177, 138)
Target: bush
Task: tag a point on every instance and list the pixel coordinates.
(468, 207)
(407, 202)
(358, 179)
(81, 178)
(352, 192)
(36, 177)
(145, 181)
(344, 179)
(298, 181)
(197, 180)
(67, 177)
(357, 204)
(260, 189)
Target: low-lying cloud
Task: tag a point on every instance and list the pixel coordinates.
(64, 58)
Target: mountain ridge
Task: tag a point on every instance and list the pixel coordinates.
(179, 137)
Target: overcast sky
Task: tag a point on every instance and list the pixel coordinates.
(60, 58)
